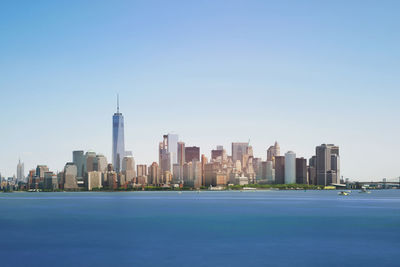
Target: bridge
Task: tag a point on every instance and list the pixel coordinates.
(384, 184)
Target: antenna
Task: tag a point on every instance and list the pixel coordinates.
(117, 103)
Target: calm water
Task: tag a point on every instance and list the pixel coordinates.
(207, 229)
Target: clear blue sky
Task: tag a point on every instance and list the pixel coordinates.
(299, 72)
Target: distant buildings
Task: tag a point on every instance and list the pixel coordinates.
(238, 150)
(164, 156)
(301, 171)
(279, 169)
(270, 172)
(128, 169)
(94, 180)
(50, 181)
(327, 164)
(154, 174)
(70, 176)
(290, 167)
(192, 153)
(20, 171)
(78, 159)
(172, 140)
(181, 153)
(273, 151)
(182, 166)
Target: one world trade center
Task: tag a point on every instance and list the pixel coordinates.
(118, 152)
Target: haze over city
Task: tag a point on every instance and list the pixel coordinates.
(301, 74)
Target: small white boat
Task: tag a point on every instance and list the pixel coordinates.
(364, 190)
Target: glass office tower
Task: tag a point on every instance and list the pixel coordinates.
(118, 152)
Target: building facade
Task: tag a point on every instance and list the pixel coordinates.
(118, 141)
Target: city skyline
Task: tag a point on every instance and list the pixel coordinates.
(118, 130)
(182, 166)
(300, 73)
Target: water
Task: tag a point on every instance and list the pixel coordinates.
(271, 228)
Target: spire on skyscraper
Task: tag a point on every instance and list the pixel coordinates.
(117, 103)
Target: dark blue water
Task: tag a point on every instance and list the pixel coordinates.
(272, 228)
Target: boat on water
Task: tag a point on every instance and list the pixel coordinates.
(364, 190)
(343, 193)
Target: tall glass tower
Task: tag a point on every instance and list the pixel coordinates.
(118, 152)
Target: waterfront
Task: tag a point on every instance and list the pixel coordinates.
(229, 228)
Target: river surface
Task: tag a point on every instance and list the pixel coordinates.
(230, 228)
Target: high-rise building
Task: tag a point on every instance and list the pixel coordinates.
(181, 153)
(270, 172)
(101, 163)
(273, 151)
(154, 174)
(197, 174)
(20, 171)
(128, 168)
(326, 171)
(312, 175)
(70, 174)
(192, 153)
(188, 173)
(279, 169)
(323, 163)
(204, 161)
(94, 180)
(335, 165)
(257, 166)
(141, 170)
(118, 145)
(164, 156)
(217, 154)
(90, 162)
(172, 145)
(238, 150)
(40, 171)
(290, 167)
(78, 158)
(301, 171)
(50, 181)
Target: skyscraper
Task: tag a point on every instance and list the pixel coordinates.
(312, 175)
(118, 145)
(70, 172)
(128, 168)
(20, 171)
(181, 153)
(78, 158)
(173, 147)
(301, 171)
(273, 151)
(101, 163)
(323, 163)
(270, 172)
(141, 170)
(219, 154)
(326, 170)
(279, 169)
(238, 150)
(154, 177)
(335, 165)
(290, 167)
(192, 153)
(164, 156)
